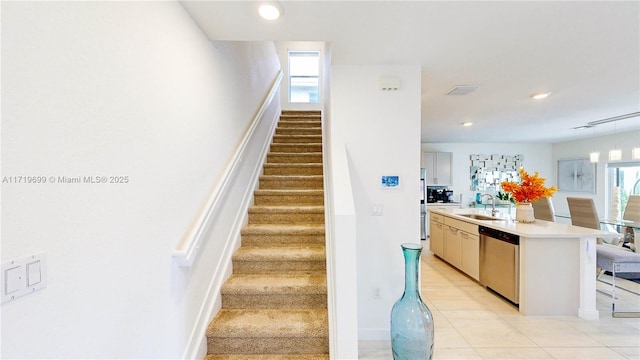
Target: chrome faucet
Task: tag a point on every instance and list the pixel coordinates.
(493, 204)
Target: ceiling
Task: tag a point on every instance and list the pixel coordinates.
(586, 53)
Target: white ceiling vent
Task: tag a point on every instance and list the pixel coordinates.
(462, 89)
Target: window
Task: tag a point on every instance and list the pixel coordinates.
(304, 76)
(626, 176)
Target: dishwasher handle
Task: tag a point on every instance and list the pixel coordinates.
(499, 235)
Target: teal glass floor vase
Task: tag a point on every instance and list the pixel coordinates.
(411, 320)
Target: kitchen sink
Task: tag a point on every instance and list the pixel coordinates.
(481, 217)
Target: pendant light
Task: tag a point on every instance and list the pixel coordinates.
(635, 152)
(594, 156)
(615, 154)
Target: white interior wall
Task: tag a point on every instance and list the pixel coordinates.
(341, 234)
(537, 157)
(115, 88)
(581, 149)
(369, 123)
(544, 159)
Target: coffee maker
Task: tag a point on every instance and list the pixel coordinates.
(448, 196)
(439, 194)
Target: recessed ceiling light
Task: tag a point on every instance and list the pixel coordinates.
(540, 96)
(270, 11)
(467, 123)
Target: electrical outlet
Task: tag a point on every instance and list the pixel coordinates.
(376, 209)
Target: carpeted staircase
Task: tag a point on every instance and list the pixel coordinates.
(274, 305)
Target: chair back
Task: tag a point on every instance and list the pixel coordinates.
(632, 210)
(631, 236)
(543, 209)
(583, 212)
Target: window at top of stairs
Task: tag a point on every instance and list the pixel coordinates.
(304, 74)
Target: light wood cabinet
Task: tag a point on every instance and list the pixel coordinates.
(470, 254)
(436, 234)
(438, 165)
(453, 246)
(461, 243)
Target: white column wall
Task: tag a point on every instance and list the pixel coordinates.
(381, 133)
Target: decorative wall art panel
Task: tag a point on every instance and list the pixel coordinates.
(488, 171)
(577, 175)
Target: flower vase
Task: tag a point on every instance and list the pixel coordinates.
(524, 213)
(411, 320)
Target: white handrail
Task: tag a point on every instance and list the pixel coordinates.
(187, 249)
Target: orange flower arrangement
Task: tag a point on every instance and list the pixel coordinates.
(530, 188)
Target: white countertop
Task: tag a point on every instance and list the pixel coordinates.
(539, 229)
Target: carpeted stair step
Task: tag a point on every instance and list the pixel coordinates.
(301, 113)
(297, 138)
(299, 131)
(288, 197)
(279, 259)
(296, 148)
(268, 357)
(291, 182)
(283, 235)
(285, 116)
(274, 305)
(292, 169)
(299, 123)
(299, 331)
(275, 291)
(312, 157)
(293, 215)
(300, 116)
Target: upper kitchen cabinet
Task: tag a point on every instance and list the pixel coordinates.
(438, 165)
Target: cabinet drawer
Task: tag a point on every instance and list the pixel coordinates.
(461, 225)
(436, 217)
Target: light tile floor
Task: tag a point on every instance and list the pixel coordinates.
(472, 323)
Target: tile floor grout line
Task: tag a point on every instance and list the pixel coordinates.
(458, 300)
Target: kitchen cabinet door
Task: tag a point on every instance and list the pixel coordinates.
(470, 251)
(438, 165)
(453, 246)
(436, 238)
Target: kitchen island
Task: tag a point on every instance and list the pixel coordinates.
(556, 262)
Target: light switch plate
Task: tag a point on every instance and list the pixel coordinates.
(22, 276)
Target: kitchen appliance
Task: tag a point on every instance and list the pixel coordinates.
(433, 195)
(447, 196)
(439, 194)
(500, 262)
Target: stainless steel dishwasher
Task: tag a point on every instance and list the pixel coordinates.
(500, 262)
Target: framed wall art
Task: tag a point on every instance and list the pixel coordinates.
(577, 175)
